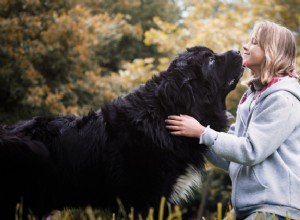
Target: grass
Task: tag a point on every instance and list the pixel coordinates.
(174, 213)
(94, 214)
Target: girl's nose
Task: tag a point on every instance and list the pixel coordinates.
(245, 47)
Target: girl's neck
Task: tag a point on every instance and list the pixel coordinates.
(256, 84)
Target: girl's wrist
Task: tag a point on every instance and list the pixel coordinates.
(201, 137)
(200, 131)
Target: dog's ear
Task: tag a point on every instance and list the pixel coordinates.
(197, 59)
(186, 94)
(196, 64)
(204, 72)
(176, 97)
(177, 63)
(194, 49)
(166, 94)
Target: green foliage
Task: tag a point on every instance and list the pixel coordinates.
(67, 57)
(61, 57)
(140, 13)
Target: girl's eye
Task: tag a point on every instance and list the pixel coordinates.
(253, 41)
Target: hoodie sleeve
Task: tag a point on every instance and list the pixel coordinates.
(270, 125)
(213, 158)
(216, 160)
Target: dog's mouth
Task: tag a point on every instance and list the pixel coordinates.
(235, 80)
(241, 72)
(240, 75)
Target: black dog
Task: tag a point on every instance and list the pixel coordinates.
(123, 150)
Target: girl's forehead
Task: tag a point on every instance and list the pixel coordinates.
(252, 37)
(255, 34)
(256, 31)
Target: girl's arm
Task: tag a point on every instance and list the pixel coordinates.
(266, 132)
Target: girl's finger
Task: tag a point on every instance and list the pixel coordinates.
(175, 117)
(175, 128)
(186, 116)
(172, 122)
(176, 133)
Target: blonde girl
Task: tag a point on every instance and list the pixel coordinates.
(261, 151)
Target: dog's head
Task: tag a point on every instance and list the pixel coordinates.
(200, 75)
(199, 63)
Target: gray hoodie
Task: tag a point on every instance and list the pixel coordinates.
(263, 155)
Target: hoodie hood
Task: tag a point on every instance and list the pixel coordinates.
(289, 84)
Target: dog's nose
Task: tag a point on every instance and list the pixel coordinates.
(237, 52)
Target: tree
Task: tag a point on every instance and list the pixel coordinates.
(63, 57)
(139, 13)
(49, 64)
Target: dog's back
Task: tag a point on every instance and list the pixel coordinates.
(47, 160)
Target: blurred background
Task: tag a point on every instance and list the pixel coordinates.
(72, 56)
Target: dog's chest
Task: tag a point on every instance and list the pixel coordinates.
(183, 188)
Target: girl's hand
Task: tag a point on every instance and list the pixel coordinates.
(184, 125)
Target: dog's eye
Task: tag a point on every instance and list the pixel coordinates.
(231, 82)
(211, 61)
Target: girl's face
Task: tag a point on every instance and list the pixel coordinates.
(253, 56)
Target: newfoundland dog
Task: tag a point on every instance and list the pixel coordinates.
(123, 150)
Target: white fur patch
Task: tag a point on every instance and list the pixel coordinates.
(185, 184)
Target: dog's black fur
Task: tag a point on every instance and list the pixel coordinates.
(123, 150)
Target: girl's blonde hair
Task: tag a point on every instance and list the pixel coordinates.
(279, 46)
